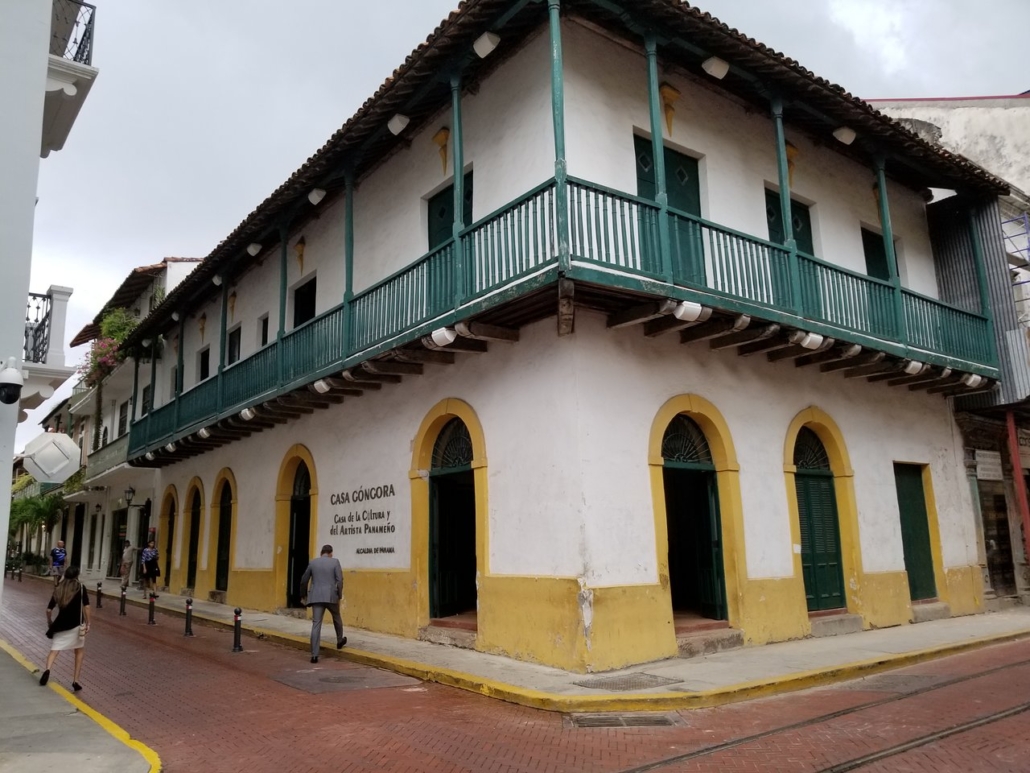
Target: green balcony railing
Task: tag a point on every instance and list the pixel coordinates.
(111, 455)
(608, 228)
(938, 327)
(847, 299)
(256, 375)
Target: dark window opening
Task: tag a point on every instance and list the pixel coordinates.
(233, 353)
(203, 365)
(875, 250)
(263, 330)
(123, 418)
(145, 401)
(175, 380)
(304, 303)
(441, 213)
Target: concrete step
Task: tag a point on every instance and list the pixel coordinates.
(706, 642)
(934, 610)
(835, 625)
(1001, 603)
(452, 637)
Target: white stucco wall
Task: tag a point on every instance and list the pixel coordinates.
(607, 103)
(567, 422)
(994, 132)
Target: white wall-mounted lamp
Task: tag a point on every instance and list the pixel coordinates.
(248, 414)
(216, 280)
(170, 448)
(253, 249)
(844, 134)
(485, 44)
(175, 316)
(145, 342)
(811, 341)
(203, 433)
(973, 380)
(913, 367)
(149, 456)
(398, 123)
(316, 195)
(688, 311)
(321, 386)
(716, 67)
(444, 336)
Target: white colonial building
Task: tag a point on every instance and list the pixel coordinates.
(596, 334)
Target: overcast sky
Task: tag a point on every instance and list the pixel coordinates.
(202, 108)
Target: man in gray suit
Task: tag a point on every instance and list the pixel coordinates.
(326, 576)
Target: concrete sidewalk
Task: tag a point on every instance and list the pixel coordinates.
(45, 728)
(677, 683)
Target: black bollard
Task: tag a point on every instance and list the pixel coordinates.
(236, 630)
(121, 604)
(189, 617)
(19, 574)
(150, 615)
(100, 596)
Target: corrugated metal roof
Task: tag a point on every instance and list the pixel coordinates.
(683, 29)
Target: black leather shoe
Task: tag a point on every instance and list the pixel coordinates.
(76, 686)
(341, 642)
(314, 659)
(45, 677)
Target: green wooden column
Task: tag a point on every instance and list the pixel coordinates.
(788, 220)
(284, 235)
(348, 258)
(178, 366)
(981, 281)
(561, 175)
(459, 189)
(888, 246)
(135, 389)
(658, 151)
(153, 379)
(221, 340)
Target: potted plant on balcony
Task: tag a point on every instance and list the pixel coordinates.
(104, 356)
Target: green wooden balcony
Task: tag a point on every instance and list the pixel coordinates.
(111, 455)
(615, 241)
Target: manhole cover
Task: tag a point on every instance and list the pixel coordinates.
(893, 682)
(619, 720)
(626, 682)
(323, 680)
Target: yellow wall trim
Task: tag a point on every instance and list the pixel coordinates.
(294, 455)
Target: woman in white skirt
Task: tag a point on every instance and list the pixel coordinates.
(68, 631)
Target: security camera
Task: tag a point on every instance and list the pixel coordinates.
(11, 382)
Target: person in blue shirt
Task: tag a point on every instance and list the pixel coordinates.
(58, 558)
(150, 569)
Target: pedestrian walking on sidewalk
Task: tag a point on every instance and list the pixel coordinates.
(126, 568)
(151, 571)
(326, 577)
(68, 630)
(58, 556)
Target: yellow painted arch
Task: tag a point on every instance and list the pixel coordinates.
(195, 485)
(727, 472)
(421, 462)
(294, 455)
(823, 425)
(166, 539)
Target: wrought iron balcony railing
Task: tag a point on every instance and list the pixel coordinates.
(614, 241)
(37, 327)
(71, 30)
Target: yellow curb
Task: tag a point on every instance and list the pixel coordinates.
(115, 730)
(605, 702)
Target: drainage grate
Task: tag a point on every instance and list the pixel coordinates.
(619, 720)
(893, 682)
(626, 682)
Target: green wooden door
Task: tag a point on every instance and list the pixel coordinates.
(191, 560)
(915, 531)
(821, 564)
(875, 255)
(441, 213)
(801, 219)
(224, 538)
(682, 183)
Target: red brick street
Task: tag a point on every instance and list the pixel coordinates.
(202, 707)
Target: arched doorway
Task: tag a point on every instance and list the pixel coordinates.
(452, 523)
(196, 507)
(821, 562)
(696, 569)
(300, 534)
(224, 543)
